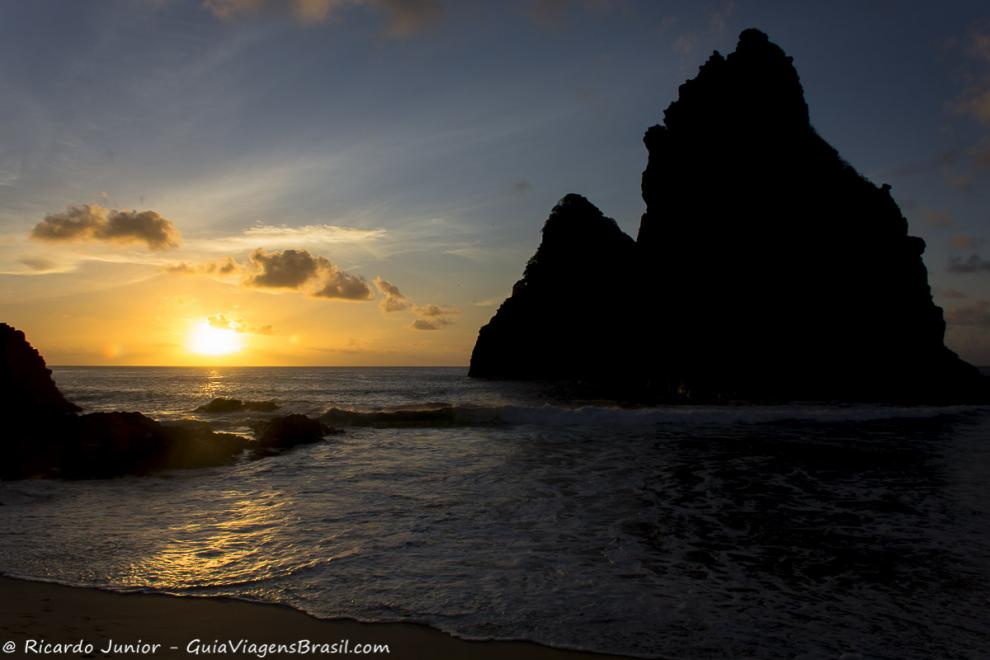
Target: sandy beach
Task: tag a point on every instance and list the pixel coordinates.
(42, 619)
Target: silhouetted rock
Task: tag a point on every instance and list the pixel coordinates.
(569, 316)
(42, 435)
(26, 385)
(765, 266)
(117, 443)
(222, 405)
(280, 433)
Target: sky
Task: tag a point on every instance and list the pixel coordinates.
(360, 182)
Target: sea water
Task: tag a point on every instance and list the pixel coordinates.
(499, 510)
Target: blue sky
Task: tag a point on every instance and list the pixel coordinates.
(424, 142)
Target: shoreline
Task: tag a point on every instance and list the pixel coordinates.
(65, 615)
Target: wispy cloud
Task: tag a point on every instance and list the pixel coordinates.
(306, 237)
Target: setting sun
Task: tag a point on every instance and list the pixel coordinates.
(209, 340)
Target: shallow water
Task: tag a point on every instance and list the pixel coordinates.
(497, 511)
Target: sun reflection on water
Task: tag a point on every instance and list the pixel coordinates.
(214, 384)
(235, 543)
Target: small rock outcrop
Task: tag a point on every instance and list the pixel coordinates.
(280, 433)
(568, 317)
(765, 267)
(222, 405)
(44, 436)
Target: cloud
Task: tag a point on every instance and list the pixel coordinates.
(936, 218)
(432, 317)
(974, 264)
(977, 313)
(338, 284)
(407, 17)
(225, 266)
(37, 263)
(92, 222)
(961, 242)
(404, 17)
(309, 237)
(292, 269)
(286, 269)
(951, 294)
(222, 322)
(975, 99)
(311, 233)
(392, 298)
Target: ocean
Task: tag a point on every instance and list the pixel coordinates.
(509, 511)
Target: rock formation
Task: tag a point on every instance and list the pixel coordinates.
(280, 433)
(26, 385)
(43, 435)
(567, 317)
(765, 266)
(224, 405)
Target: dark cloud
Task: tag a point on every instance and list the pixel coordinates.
(961, 242)
(977, 314)
(335, 283)
(392, 298)
(404, 17)
(292, 269)
(92, 222)
(974, 264)
(432, 317)
(288, 269)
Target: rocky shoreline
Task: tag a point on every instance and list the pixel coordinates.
(46, 436)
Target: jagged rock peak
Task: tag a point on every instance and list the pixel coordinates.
(576, 229)
(755, 86)
(567, 294)
(26, 385)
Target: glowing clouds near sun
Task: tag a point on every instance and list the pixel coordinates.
(208, 339)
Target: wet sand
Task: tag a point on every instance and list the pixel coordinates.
(66, 615)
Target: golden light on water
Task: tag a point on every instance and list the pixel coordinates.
(206, 339)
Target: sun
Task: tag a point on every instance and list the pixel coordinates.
(206, 339)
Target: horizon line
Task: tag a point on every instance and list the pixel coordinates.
(258, 366)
